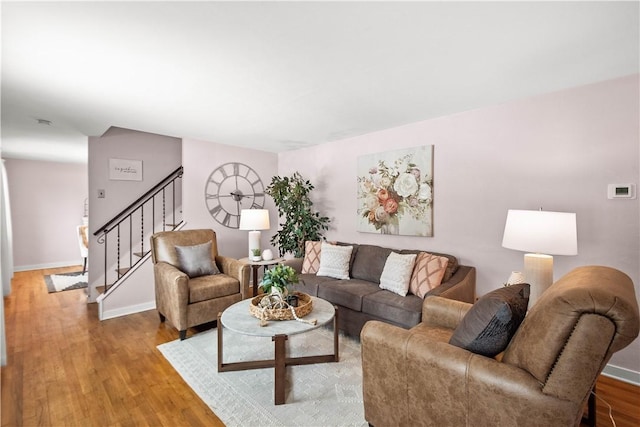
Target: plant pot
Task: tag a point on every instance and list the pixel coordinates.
(256, 258)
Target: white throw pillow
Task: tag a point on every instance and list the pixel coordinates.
(334, 261)
(396, 274)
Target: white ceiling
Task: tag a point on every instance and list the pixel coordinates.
(282, 75)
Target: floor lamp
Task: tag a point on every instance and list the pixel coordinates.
(254, 220)
(543, 234)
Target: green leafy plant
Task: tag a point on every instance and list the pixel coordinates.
(301, 222)
(255, 252)
(279, 277)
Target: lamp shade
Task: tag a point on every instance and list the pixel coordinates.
(552, 233)
(254, 219)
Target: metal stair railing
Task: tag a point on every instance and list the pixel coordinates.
(128, 228)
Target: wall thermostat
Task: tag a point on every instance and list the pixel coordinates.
(621, 191)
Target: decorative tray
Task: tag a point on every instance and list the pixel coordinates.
(305, 305)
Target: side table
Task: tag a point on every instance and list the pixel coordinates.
(255, 268)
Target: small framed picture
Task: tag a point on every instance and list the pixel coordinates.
(125, 170)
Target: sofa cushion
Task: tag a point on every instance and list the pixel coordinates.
(311, 262)
(492, 321)
(427, 273)
(204, 288)
(397, 271)
(402, 311)
(452, 265)
(195, 261)
(308, 283)
(369, 263)
(347, 293)
(334, 261)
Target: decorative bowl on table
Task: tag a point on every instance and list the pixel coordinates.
(305, 306)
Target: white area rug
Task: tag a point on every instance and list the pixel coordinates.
(66, 281)
(324, 394)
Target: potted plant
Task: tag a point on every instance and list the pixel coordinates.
(255, 255)
(276, 282)
(301, 222)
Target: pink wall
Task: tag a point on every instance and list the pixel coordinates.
(47, 204)
(200, 159)
(557, 151)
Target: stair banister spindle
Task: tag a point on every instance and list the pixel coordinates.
(127, 214)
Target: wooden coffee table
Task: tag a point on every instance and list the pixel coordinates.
(238, 319)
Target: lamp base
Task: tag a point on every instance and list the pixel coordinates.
(254, 242)
(538, 272)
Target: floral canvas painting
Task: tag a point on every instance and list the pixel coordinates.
(395, 192)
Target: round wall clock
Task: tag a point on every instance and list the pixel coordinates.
(230, 188)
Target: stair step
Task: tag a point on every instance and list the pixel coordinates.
(101, 289)
(123, 271)
(141, 254)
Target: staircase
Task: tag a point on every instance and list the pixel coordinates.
(126, 237)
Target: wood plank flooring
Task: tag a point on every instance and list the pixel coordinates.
(66, 368)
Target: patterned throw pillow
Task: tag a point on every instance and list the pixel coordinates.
(334, 261)
(311, 261)
(427, 273)
(397, 273)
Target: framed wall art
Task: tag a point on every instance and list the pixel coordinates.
(395, 192)
(125, 170)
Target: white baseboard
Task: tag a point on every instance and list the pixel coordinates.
(124, 311)
(48, 265)
(622, 374)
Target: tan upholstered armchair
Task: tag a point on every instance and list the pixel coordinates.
(544, 377)
(186, 301)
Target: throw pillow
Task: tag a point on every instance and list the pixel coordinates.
(196, 260)
(311, 261)
(427, 274)
(397, 273)
(490, 324)
(334, 261)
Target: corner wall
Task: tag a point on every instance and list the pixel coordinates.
(557, 151)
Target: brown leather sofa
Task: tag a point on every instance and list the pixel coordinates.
(360, 298)
(543, 378)
(189, 302)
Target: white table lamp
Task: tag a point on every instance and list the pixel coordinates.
(543, 234)
(254, 220)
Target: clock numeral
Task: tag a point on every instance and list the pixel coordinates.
(214, 211)
(258, 194)
(255, 206)
(255, 182)
(212, 196)
(224, 173)
(236, 168)
(226, 220)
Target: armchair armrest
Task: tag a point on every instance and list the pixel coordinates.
(172, 293)
(236, 269)
(444, 312)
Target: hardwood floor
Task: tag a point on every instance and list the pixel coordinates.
(65, 367)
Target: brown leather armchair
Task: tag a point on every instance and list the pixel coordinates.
(189, 302)
(543, 378)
